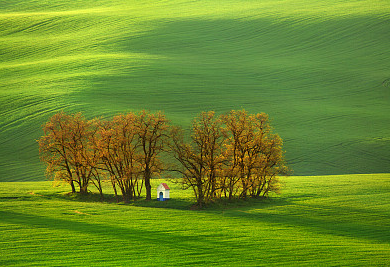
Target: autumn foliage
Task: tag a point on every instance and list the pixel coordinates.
(234, 155)
(125, 150)
(67, 150)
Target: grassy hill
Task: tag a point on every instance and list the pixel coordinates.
(317, 221)
(320, 69)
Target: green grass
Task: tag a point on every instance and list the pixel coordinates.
(316, 67)
(316, 221)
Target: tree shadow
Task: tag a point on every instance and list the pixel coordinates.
(320, 219)
(183, 243)
(173, 203)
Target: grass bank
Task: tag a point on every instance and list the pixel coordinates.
(316, 221)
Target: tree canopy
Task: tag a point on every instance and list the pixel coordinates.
(233, 155)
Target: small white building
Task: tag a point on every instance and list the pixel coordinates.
(163, 192)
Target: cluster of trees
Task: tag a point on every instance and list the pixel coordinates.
(234, 155)
(126, 150)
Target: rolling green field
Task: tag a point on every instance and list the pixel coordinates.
(317, 221)
(320, 69)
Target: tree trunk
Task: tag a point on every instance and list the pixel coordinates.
(73, 188)
(200, 195)
(148, 187)
(83, 190)
(125, 195)
(101, 191)
(116, 193)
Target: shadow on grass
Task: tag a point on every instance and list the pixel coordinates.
(177, 203)
(185, 203)
(320, 219)
(174, 203)
(147, 237)
(323, 219)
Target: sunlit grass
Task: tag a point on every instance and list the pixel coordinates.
(317, 221)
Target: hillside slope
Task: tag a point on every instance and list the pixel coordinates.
(320, 69)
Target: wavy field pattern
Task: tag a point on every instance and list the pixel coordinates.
(318, 68)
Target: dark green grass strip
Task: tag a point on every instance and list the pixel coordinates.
(317, 221)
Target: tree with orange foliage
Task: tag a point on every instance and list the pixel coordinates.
(66, 150)
(117, 144)
(152, 136)
(200, 158)
(235, 155)
(254, 156)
